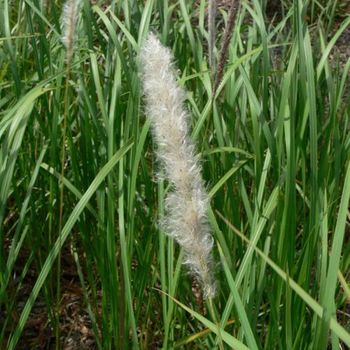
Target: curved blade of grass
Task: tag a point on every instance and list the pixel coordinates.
(188, 25)
(86, 297)
(234, 66)
(242, 315)
(195, 336)
(206, 110)
(330, 45)
(245, 264)
(344, 285)
(145, 21)
(114, 38)
(223, 180)
(15, 127)
(18, 239)
(227, 150)
(69, 186)
(226, 337)
(43, 18)
(136, 163)
(125, 31)
(125, 257)
(327, 299)
(339, 330)
(108, 167)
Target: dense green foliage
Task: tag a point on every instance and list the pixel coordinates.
(274, 143)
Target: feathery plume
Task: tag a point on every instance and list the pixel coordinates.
(225, 43)
(69, 22)
(186, 205)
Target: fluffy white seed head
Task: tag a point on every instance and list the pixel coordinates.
(186, 205)
(69, 22)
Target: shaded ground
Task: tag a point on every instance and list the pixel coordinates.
(75, 325)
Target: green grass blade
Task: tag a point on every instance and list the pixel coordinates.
(66, 230)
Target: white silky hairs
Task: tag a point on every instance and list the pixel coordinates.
(187, 203)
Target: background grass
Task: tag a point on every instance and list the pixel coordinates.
(275, 150)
